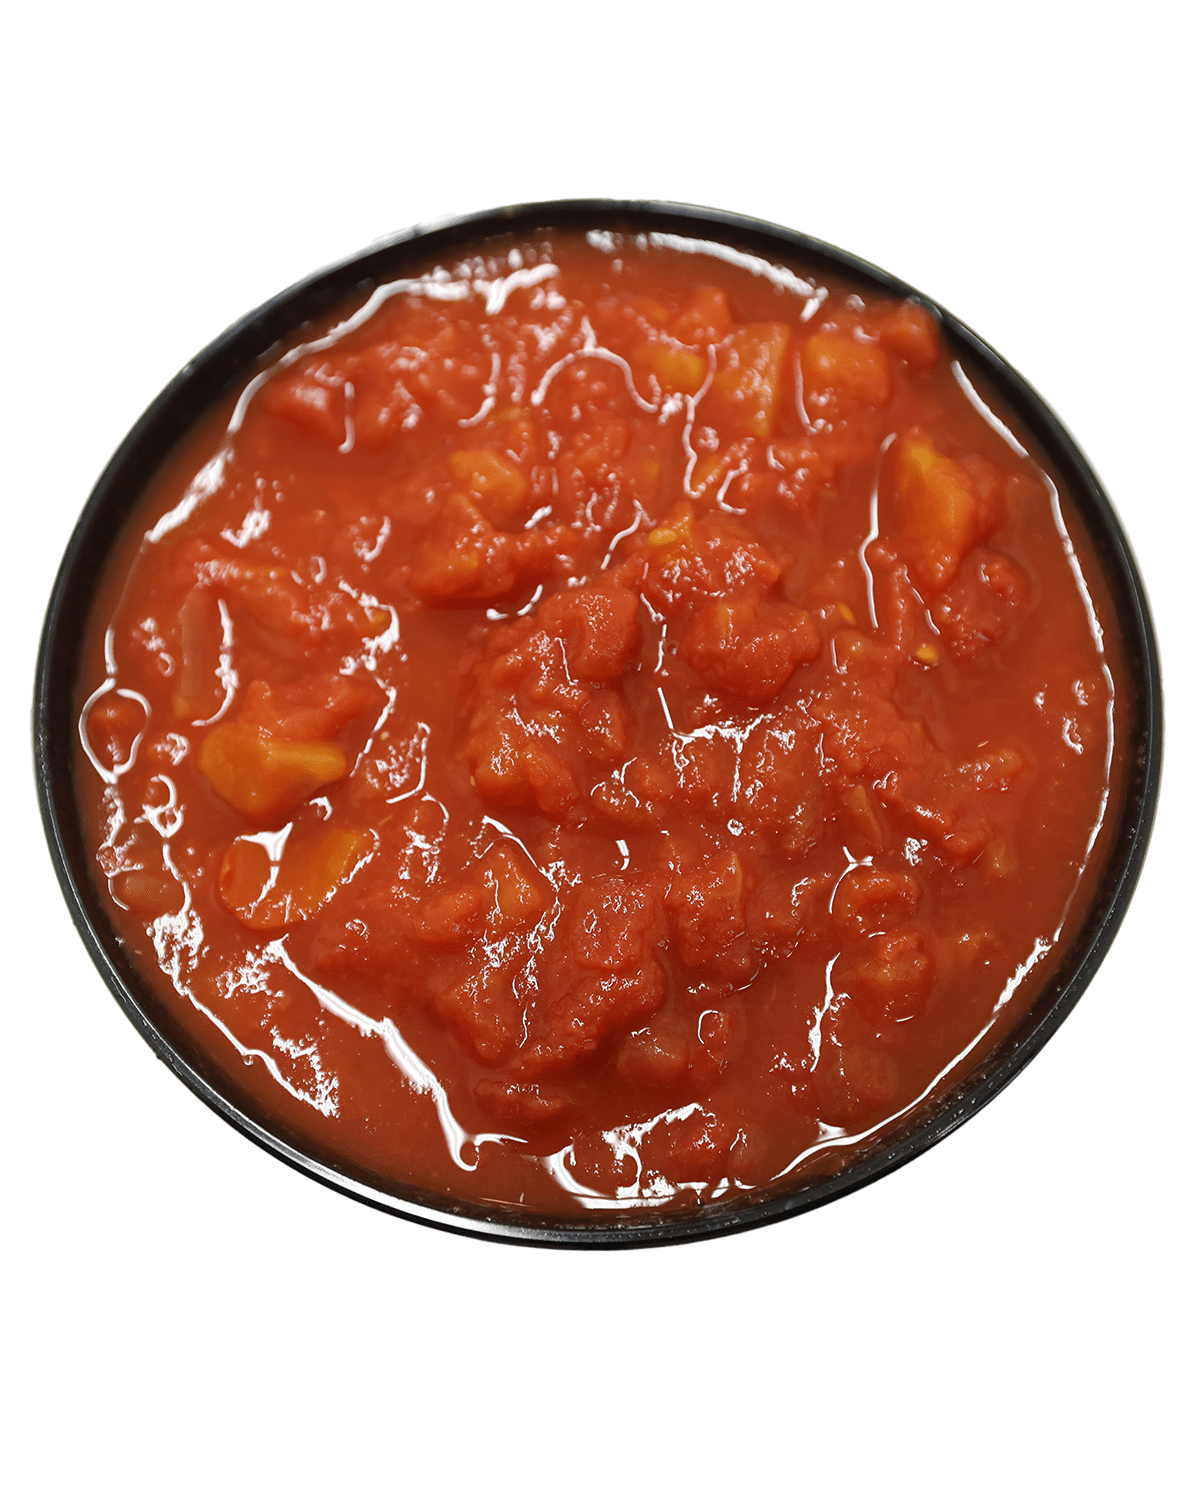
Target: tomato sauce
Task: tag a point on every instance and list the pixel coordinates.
(607, 724)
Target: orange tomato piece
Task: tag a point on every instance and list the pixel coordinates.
(705, 318)
(912, 333)
(748, 384)
(936, 513)
(267, 895)
(676, 369)
(264, 777)
(841, 371)
(495, 481)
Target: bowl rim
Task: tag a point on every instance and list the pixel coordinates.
(230, 357)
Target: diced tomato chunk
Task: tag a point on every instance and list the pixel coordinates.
(748, 384)
(268, 895)
(978, 607)
(674, 368)
(483, 1009)
(892, 980)
(450, 918)
(314, 708)
(572, 1026)
(779, 785)
(708, 911)
(115, 724)
(867, 898)
(750, 647)
(854, 1083)
(693, 1148)
(496, 482)
(657, 1055)
(936, 513)
(599, 445)
(149, 892)
(262, 776)
(841, 371)
(530, 1104)
(705, 318)
(279, 602)
(691, 559)
(614, 924)
(465, 559)
(314, 400)
(518, 888)
(600, 629)
(911, 332)
(511, 767)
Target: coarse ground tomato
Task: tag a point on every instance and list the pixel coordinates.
(612, 725)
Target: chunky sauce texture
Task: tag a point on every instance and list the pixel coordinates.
(609, 723)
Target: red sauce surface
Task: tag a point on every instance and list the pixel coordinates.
(605, 724)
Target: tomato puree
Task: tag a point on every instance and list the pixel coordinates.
(610, 723)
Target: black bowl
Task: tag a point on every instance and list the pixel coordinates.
(228, 361)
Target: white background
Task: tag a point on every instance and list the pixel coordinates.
(1012, 1314)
